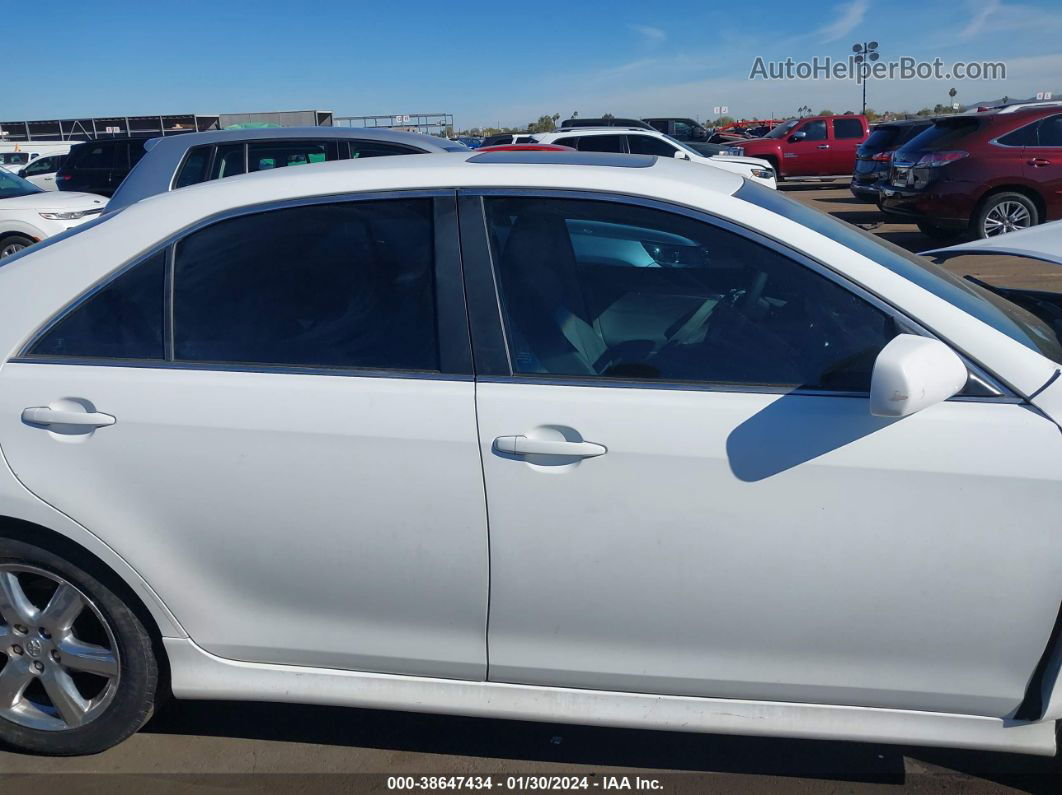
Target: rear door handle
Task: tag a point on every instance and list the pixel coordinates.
(824, 146)
(1039, 161)
(521, 445)
(42, 415)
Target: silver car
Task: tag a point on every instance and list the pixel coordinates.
(182, 160)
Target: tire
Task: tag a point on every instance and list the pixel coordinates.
(938, 232)
(114, 680)
(12, 244)
(1004, 212)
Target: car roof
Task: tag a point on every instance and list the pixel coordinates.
(602, 131)
(643, 175)
(156, 170)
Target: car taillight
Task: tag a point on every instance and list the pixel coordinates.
(64, 177)
(937, 159)
(882, 157)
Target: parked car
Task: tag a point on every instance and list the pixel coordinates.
(621, 140)
(16, 154)
(41, 172)
(982, 174)
(181, 160)
(29, 214)
(874, 155)
(685, 130)
(582, 410)
(99, 166)
(508, 138)
(814, 146)
(569, 124)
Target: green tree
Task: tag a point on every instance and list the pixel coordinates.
(872, 115)
(826, 112)
(723, 121)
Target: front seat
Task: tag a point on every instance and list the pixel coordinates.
(552, 326)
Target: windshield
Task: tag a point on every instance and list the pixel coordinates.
(987, 306)
(783, 128)
(12, 185)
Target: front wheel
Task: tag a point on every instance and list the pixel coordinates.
(78, 671)
(1005, 212)
(12, 244)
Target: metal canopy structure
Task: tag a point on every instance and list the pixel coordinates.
(86, 129)
(427, 123)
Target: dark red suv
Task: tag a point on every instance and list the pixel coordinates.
(986, 173)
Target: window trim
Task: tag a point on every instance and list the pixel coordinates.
(488, 333)
(454, 345)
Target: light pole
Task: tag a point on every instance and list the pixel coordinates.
(865, 54)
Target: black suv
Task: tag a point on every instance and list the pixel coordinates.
(875, 153)
(99, 166)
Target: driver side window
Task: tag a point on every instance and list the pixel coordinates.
(814, 130)
(601, 289)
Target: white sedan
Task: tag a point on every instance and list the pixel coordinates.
(29, 214)
(549, 436)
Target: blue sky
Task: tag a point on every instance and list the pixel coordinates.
(502, 62)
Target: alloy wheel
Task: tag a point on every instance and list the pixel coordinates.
(1007, 216)
(11, 248)
(62, 666)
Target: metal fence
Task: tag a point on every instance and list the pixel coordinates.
(428, 123)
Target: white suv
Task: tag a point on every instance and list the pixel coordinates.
(636, 141)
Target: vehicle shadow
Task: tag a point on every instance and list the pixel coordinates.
(526, 742)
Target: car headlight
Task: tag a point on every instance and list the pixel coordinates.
(763, 173)
(71, 215)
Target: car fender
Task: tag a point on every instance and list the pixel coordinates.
(17, 502)
(15, 226)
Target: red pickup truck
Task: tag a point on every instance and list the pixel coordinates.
(814, 146)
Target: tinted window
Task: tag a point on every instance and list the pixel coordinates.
(378, 149)
(136, 152)
(1051, 131)
(278, 154)
(601, 289)
(997, 312)
(601, 143)
(45, 165)
(124, 320)
(571, 140)
(1023, 136)
(648, 145)
(909, 132)
(881, 138)
(228, 161)
(98, 155)
(195, 167)
(14, 158)
(814, 130)
(847, 128)
(340, 285)
(943, 134)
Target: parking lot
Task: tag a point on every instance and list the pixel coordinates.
(225, 747)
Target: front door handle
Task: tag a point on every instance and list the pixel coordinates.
(824, 146)
(42, 415)
(521, 445)
(1039, 161)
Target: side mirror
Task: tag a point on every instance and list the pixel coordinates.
(22, 173)
(797, 136)
(680, 155)
(913, 373)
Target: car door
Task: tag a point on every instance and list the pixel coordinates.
(42, 172)
(808, 155)
(848, 133)
(688, 494)
(275, 426)
(1042, 164)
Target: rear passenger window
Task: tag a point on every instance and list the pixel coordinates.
(601, 143)
(1023, 136)
(1051, 131)
(847, 128)
(96, 156)
(194, 169)
(360, 149)
(571, 140)
(606, 290)
(278, 154)
(228, 162)
(326, 285)
(124, 320)
(648, 145)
